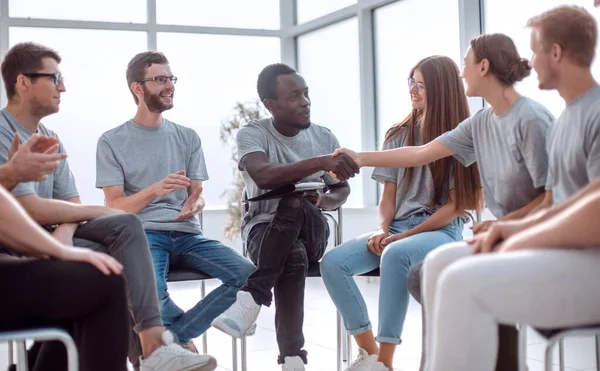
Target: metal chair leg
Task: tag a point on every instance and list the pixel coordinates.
(548, 356)
(11, 355)
(22, 356)
(522, 348)
(597, 340)
(243, 354)
(561, 354)
(234, 359)
(348, 347)
(205, 335)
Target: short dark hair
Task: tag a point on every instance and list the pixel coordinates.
(24, 58)
(268, 77)
(136, 69)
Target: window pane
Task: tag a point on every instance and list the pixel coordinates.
(396, 52)
(208, 87)
(333, 78)
(97, 98)
(223, 13)
(500, 17)
(310, 9)
(127, 10)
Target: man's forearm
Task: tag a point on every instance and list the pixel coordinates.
(19, 232)
(273, 175)
(50, 212)
(545, 214)
(529, 209)
(574, 227)
(7, 178)
(134, 203)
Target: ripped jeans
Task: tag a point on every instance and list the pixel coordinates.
(282, 251)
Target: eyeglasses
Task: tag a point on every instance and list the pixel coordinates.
(57, 77)
(412, 83)
(160, 80)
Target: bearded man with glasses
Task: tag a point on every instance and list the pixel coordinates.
(155, 168)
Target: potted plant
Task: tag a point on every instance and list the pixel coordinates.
(243, 113)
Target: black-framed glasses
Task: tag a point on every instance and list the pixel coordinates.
(57, 77)
(419, 85)
(160, 80)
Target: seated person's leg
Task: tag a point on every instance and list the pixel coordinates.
(289, 288)
(289, 306)
(160, 244)
(76, 294)
(269, 245)
(123, 237)
(194, 251)
(508, 336)
(522, 289)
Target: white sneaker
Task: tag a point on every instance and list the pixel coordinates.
(379, 366)
(293, 364)
(172, 357)
(239, 320)
(363, 362)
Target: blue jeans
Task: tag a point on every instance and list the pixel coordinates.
(353, 257)
(196, 252)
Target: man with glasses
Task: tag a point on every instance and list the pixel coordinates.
(155, 168)
(34, 86)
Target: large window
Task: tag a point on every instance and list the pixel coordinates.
(105, 10)
(215, 72)
(97, 98)
(311, 9)
(222, 13)
(403, 36)
(501, 17)
(333, 77)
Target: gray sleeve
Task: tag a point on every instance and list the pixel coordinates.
(196, 168)
(460, 141)
(250, 140)
(64, 182)
(6, 138)
(387, 174)
(109, 172)
(532, 145)
(549, 176)
(592, 148)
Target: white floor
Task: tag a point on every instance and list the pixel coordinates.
(320, 332)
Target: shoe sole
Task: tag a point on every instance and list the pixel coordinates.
(208, 366)
(226, 329)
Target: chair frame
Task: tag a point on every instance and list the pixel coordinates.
(42, 334)
(559, 339)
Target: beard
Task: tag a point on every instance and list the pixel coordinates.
(154, 103)
(37, 109)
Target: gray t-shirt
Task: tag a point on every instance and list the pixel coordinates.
(135, 157)
(510, 151)
(59, 185)
(261, 136)
(416, 196)
(574, 146)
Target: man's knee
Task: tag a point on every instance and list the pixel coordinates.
(413, 282)
(297, 263)
(292, 201)
(130, 222)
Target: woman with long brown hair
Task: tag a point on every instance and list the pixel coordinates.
(420, 209)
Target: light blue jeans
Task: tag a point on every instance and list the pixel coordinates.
(353, 257)
(196, 252)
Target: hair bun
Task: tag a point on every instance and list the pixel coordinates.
(518, 70)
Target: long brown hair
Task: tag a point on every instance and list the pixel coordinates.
(446, 107)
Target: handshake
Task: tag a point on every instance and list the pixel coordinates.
(343, 164)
